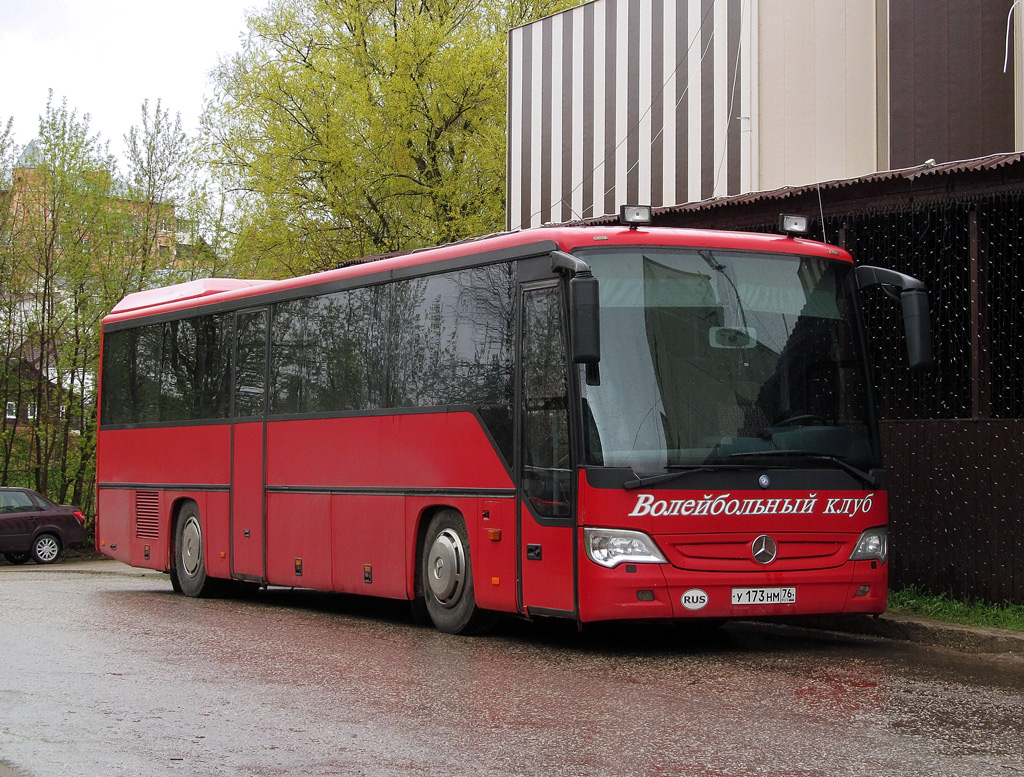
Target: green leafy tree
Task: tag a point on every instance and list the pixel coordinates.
(10, 296)
(76, 236)
(55, 208)
(357, 127)
(171, 197)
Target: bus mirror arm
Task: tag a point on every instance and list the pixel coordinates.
(916, 317)
(567, 263)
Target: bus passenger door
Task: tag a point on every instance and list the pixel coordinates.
(248, 560)
(547, 557)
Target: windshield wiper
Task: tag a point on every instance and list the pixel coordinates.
(681, 472)
(865, 477)
(665, 477)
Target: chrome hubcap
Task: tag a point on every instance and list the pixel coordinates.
(446, 568)
(46, 549)
(191, 546)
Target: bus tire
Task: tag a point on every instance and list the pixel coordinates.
(189, 562)
(447, 577)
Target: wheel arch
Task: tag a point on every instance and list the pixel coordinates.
(175, 515)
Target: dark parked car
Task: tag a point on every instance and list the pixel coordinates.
(32, 526)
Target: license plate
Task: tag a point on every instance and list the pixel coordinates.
(764, 595)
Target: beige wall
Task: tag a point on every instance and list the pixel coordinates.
(817, 91)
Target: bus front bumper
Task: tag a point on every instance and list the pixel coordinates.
(660, 591)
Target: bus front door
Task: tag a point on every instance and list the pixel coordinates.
(547, 558)
(248, 559)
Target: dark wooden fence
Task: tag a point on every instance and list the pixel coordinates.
(956, 501)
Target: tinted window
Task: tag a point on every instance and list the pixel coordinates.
(196, 369)
(287, 356)
(424, 342)
(546, 470)
(420, 343)
(251, 363)
(174, 371)
(131, 376)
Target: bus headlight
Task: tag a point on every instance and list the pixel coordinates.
(873, 545)
(611, 547)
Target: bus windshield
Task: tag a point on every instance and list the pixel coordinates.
(714, 357)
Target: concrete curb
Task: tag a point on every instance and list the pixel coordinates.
(923, 631)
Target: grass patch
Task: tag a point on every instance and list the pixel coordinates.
(914, 601)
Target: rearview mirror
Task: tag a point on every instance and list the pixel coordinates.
(585, 319)
(913, 296)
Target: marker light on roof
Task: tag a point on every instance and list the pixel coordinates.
(794, 225)
(635, 215)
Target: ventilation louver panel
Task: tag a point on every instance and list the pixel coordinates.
(147, 515)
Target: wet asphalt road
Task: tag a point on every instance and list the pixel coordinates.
(104, 671)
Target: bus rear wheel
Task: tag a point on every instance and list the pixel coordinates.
(189, 562)
(447, 576)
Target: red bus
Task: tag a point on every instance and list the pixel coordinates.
(595, 423)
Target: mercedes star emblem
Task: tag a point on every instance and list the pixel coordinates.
(764, 549)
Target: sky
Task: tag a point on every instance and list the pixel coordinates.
(107, 56)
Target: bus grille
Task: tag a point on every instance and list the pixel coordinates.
(732, 552)
(147, 515)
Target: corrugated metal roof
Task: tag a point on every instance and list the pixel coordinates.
(929, 168)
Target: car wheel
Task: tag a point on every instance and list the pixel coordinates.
(46, 548)
(17, 558)
(447, 577)
(189, 560)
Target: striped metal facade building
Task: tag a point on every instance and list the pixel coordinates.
(665, 102)
(624, 101)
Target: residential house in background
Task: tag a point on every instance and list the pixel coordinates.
(44, 220)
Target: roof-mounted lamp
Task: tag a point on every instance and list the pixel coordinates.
(634, 216)
(794, 226)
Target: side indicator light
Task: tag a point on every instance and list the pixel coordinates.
(495, 581)
(494, 535)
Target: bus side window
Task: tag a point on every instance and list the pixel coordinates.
(250, 363)
(546, 475)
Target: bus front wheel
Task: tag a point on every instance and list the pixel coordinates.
(447, 576)
(189, 563)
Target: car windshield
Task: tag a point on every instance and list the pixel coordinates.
(717, 357)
